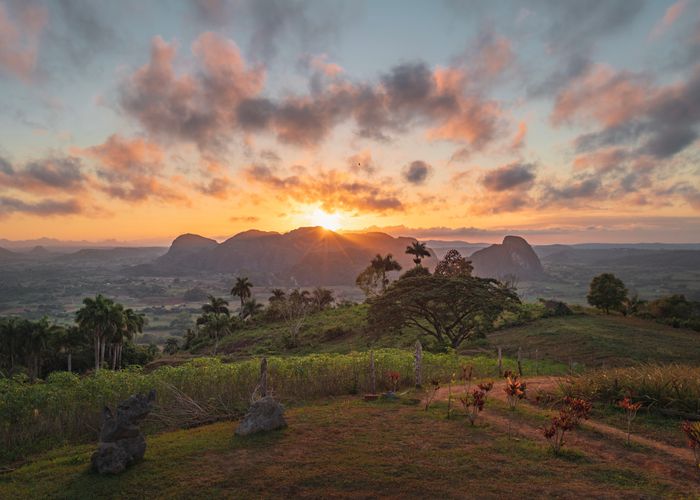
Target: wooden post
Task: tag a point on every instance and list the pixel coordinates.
(418, 362)
(537, 361)
(500, 362)
(263, 377)
(372, 374)
(520, 365)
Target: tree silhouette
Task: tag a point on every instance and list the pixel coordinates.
(242, 289)
(418, 250)
(453, 265)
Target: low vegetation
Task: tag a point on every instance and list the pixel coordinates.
(66, 407)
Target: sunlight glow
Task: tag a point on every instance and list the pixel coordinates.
(324, 219)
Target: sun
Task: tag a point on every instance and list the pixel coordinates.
(324, 219)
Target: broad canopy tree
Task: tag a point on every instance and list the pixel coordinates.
(450, 309)
(607, 292)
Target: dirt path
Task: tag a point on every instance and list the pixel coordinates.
(608, 444)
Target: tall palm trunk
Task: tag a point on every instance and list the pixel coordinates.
(70, 362)
(102, 351)
(97, 353)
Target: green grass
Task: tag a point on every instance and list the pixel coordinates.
(600, 341)
(343, 447)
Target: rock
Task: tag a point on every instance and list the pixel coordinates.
(513, 257)
(265, 414)
(121, 441)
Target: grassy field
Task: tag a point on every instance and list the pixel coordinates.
(345, 447)
(600, 341)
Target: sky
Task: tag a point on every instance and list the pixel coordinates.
(562, 121)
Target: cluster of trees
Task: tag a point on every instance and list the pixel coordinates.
(608, 293)
(449, 304)
(216, 320)
(104, 331)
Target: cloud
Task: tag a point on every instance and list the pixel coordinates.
(44, 175)
(361, 162)
(603, 95)
(417, 172)
(569, 193)
(199, 107)
(224, 97)
(661, 120)
(244, 218)
(20, 34)
(274, 24)
(519, 138)
(132, 170)
(44, 208)
(670, 16)
(515, 175)
(218, 187)
(334, 190)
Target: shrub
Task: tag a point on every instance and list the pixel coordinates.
(569, 417)
(692, 432)
(631, 410)
(669, 388)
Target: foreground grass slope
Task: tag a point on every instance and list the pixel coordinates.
(345, 447)
(599, 340)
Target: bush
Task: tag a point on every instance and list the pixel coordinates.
(66, 408)
(658, 387)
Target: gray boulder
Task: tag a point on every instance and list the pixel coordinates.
(265, 414)
(121, 441)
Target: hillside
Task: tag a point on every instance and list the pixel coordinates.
(591, 340)
(598, 340)
(364, 450)
(307, 256)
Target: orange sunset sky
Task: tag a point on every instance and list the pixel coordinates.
(559, 121)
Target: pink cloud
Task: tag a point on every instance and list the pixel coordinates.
(19, 39)
(670, 16)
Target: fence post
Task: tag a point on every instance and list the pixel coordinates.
(520, 366)
(537, 361)
(500, 362)
(372, 374)
(263, 377)
(418, 361)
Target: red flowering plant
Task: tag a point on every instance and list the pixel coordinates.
(692, 432)
(569, 417)
(394, 378)
(432, 391)
(631, 410)
(474, 401)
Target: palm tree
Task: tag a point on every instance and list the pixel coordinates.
(384, 265)
(215, 305)
(97, 316)
(242, 289)
(172, 345)
(133, 323)
(68, 339)
(217, 325)
(277, 295)
(12, 332)
(36, 343)
(322, 298)
(418, 250)
(250, 309)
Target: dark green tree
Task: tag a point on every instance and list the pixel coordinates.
(607, 292)
(242, 289)
(450, 309)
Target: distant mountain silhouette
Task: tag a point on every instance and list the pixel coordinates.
(7, 255)
(305, 256)
(627, 257)
(514, 257)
